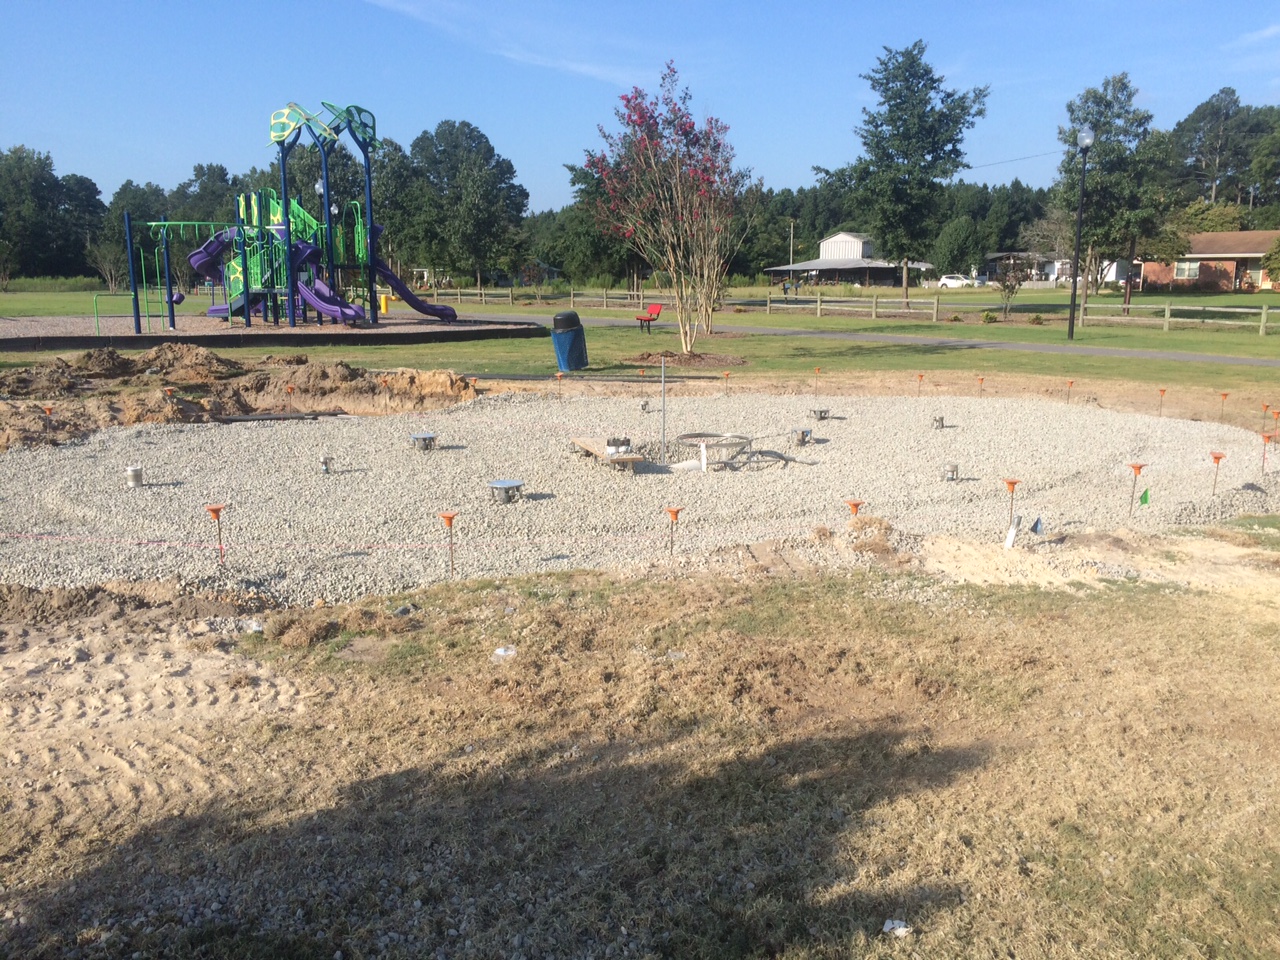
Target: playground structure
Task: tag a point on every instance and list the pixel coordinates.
(271, 263)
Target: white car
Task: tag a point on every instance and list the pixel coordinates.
(952, 280)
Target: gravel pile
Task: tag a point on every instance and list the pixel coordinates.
(371, 526)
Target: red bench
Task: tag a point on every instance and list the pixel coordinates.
(646, 319)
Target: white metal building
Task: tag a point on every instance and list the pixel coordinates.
(846, 246)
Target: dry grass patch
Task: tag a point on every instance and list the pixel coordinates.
(722, 767)
(1250, 531)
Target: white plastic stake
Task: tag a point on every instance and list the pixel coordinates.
(1013, 532)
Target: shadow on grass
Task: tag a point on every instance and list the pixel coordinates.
(553, 854)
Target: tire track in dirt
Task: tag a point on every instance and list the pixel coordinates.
(106, 729)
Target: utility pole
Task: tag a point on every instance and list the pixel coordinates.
(1084, 139)
(791, 250)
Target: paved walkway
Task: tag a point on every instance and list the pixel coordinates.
(964, 343)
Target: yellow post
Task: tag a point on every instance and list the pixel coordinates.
(383, 303)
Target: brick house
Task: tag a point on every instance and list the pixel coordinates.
(1216, 261)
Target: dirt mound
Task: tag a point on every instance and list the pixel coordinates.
(53, 378)
(157, 601)
(151, 408)
(108, 393)
(424, 384)
(692, 360)
(25, 424)
(184, 363)
(228, 400)
(102, 363)
(324, 378)
(338, 386)
(19, 604)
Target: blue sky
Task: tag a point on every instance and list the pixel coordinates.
(146, 89)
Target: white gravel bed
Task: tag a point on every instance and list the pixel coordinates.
(292, 532)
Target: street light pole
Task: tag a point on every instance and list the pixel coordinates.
(1084, 139)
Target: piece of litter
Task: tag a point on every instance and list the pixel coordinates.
(503, 654)
(1013, 532)
(1038, 527)
(898, 928)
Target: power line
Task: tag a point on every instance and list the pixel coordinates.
(1034, 156)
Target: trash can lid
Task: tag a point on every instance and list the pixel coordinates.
(566, 320)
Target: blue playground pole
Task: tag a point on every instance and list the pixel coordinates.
(357, 131)
(133, 276)
(168, 274)
(328, 217)
(243, 236)
(372, 312)
(270, 302)
(325, 146)
(372, 237)
(290, 279)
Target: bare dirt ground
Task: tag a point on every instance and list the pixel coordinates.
(759, 760)
(177, 383)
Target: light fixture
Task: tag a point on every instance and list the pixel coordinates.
(319, 188)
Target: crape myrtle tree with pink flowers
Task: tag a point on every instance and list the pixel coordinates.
(668, 187)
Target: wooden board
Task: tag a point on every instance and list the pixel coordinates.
(597, 448)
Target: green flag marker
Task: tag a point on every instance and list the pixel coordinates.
(1146, 497)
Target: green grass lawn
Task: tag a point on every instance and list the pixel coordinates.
(81, 305)
(1222, 339)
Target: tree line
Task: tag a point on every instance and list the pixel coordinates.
(451, 201)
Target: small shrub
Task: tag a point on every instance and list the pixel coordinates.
(1036, 321)
(955, 318)
(989, 317)
(739, 309)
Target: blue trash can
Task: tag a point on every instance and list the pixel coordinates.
(569, 340)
